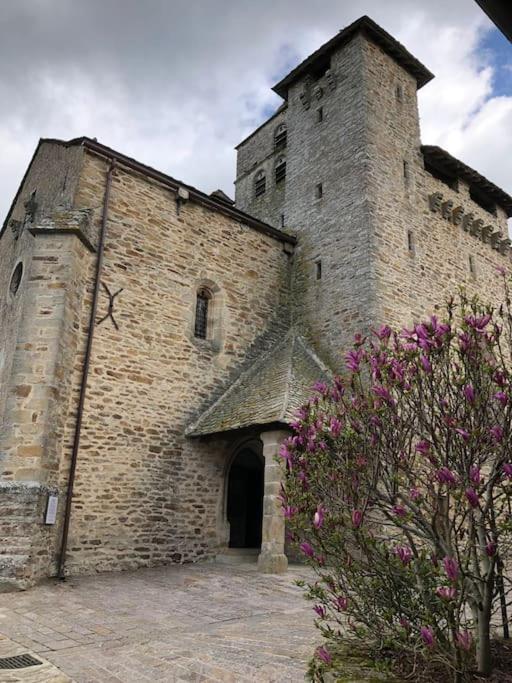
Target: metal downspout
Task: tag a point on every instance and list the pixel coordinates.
(85, 375)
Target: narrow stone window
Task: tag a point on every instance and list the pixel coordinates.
(472, 266)
(399, 92)
(319, 191)
(202, 304)
(411, 246)
(280, 170)
(320, 115)
(282, 220)
(260, 183)
(318, 270)
(406, 170)
(15, 282)
(280, 137)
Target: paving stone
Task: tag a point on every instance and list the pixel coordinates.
(200, 623)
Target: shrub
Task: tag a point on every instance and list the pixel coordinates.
(399, 485)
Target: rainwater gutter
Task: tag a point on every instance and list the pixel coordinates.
(85, 375)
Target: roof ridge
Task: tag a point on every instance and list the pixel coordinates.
(289, 375)
(469, 174)
(315, 357)
(379, 36)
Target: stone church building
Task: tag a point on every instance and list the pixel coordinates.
(155, 341)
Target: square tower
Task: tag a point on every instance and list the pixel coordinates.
(316, 167)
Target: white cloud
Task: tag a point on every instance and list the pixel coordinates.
(177, 84)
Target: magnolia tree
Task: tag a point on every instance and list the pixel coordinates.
(398, 490)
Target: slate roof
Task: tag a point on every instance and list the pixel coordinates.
(441, 158)
(270, 391)
(369, 28)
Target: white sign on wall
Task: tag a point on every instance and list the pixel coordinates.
(51, 509)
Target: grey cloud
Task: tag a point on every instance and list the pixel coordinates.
(175, 83)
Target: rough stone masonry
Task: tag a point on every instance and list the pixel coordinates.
(212, 318)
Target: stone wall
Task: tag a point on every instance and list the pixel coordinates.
(143, 493)
(40, 343)
(333, 230)
(420, 257)
(258, 153)
(353, 268)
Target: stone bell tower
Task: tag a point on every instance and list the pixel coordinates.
(324, 166)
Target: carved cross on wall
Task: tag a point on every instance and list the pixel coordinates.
(110, 311)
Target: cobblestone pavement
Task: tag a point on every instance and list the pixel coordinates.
(193, 623)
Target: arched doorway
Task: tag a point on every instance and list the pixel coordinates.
(245, 499)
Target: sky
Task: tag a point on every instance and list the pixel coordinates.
(178, 83)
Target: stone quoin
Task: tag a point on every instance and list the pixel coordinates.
(156, 341)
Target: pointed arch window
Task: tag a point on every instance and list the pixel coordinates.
(280, 137)
(203, 300)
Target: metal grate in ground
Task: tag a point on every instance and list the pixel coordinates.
(18, 662)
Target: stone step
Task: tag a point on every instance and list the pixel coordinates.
(238, 556)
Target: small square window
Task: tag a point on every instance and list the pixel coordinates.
(319, 191)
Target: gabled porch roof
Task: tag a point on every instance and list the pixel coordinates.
(269, 392)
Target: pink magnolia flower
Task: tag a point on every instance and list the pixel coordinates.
(357, 518)
(500, 378)
(323, 654)
(474, 474)
(426, 364)
(321, 388)
(320, 610)
(285, 453)
(383, 393)
(341, 603)
(289, 511)
(463, 433)
(427, 636)
(472, 497)
(404, 553)
(383, 333)
(414, 494)
(496, 433)
(501, 271)
(353, 359)
(502, 397)
(451, 567)
(490, 549)
(335, 426)
(423, 447)
(464, 640)
(399, 511)
(318, 518)
(478, 323)
(469, 393)
(446, 592)
(446, 476)
(507, 470)
(307, 549)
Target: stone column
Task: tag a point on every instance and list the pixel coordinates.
(272, 559)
